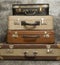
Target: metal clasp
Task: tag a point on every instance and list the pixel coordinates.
(49, 50)
(10, 50)
(15, 35)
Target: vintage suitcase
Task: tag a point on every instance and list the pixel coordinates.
(31, 37)
(30, 51)
(30, 9)
(30, 23)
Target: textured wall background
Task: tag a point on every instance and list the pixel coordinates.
(5, 11)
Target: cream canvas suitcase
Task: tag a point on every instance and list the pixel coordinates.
(30, 22)
(30, 52)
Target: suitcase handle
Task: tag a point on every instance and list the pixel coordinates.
(30, 13)
(31, 36)
(30, 24)
(28, 54)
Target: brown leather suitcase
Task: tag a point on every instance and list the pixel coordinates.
(30, 51)
(31, 37)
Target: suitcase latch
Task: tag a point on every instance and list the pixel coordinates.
(15, 35)
(30, 54)
(46, 35)
(49, 50)
(10, 50)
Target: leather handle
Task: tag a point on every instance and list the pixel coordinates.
(30, 24)
(27, 54)
(30, 13)
(31, 36)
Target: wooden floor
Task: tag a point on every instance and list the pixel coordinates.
(29, 62)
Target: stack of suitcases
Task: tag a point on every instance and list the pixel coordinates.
(30, 34)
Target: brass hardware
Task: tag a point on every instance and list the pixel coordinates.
(26, 53)
(30, 54)
(45, 32)
(49, 50)
(47, 35)
(43, 21)
(15, 35)
(40, 9)
(11, 46)
(10, 50)
(18, 19)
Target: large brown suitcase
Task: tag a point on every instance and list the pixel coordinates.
(30, 51)
(31, 37)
